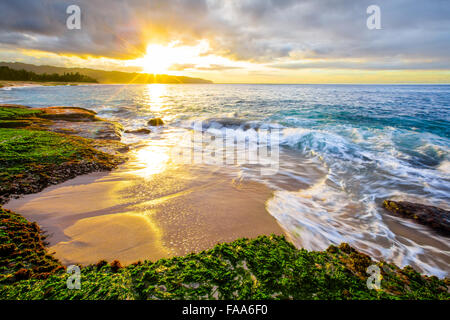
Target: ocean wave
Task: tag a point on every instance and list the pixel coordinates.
(323, 214)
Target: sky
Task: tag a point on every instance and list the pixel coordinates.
(237, 41)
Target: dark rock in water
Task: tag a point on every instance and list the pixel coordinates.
(229, 123)
(155, 122)
(139, 131)
(436, 218)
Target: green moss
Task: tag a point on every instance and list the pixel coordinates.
(32, 159)
(22, 249)
(263, 268)
(17, 112)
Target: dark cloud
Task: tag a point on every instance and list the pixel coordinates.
(415, 34)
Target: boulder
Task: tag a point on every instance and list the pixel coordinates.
(139, 131)
(436, 218)
(155, 122)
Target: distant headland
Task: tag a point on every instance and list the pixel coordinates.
(102, 76)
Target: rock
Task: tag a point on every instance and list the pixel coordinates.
(139, 131)
(115, 148)
(67, 114)
(15, 123)
(103, 130)
(67, 120)
(436, 218)
(155, 122)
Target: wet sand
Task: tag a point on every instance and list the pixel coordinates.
(147, 209)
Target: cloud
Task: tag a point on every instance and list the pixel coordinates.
(282, 33)
(365, 65)
(218, 67)
(181, 67)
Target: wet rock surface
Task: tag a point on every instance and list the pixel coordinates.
(436, 218)
(67, 120)
(154, 122)
(103, 130)
(139, 131)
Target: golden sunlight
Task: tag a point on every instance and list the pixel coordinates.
(153, 159)
(153, 96)
(158, 58)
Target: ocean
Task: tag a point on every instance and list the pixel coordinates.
(343, 149)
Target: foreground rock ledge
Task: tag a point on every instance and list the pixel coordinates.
(268, 267)
(436, 218)
(68, 120)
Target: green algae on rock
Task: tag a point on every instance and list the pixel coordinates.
(30, 160)
(33, 157)
(68, 120)
(263, 268)
(23, 254)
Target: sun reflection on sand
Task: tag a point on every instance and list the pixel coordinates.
(132, 235)
(154, 159)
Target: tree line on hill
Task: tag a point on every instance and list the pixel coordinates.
(104, 76)
(7, 73)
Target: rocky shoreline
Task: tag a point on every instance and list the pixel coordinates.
(44, 146)
(268, 267)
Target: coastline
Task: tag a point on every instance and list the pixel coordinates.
(163, 225)
(261, 263)
(21, 84)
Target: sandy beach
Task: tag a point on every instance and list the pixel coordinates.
(141, 213)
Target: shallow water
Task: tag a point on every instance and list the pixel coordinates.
(344, 149)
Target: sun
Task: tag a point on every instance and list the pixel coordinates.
(157, 59)
(160, 59)
(175, 58)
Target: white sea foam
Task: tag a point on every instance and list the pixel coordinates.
(338, 158)
(323, 215)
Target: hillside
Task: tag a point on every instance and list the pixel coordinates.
(7, 73)
(103, 76)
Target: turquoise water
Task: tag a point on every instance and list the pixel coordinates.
(344, 149)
